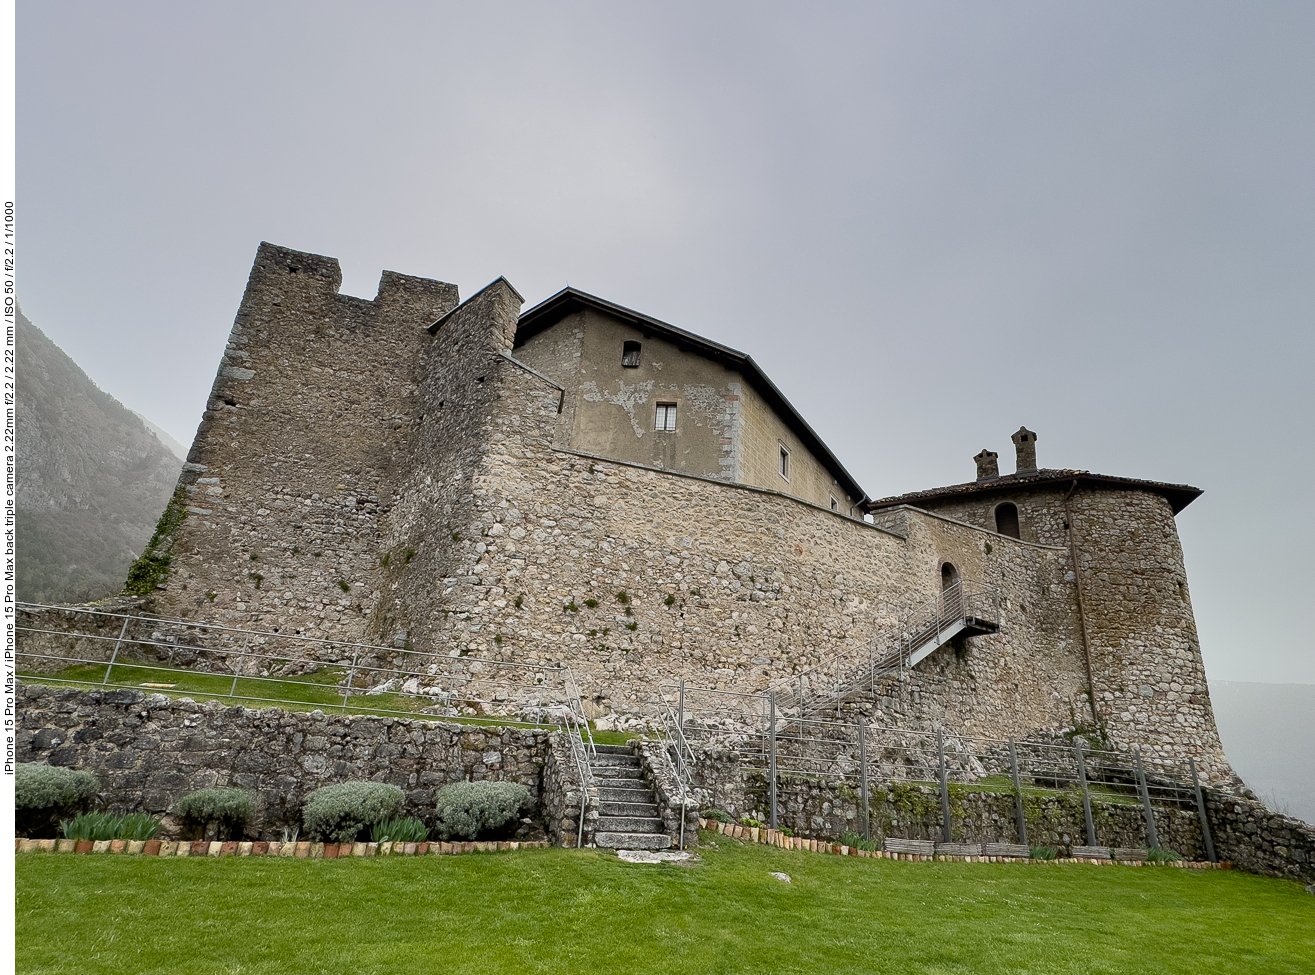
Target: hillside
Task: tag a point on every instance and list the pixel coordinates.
(91, 478)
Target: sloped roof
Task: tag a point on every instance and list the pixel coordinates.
(1179, 496)
(570, 300)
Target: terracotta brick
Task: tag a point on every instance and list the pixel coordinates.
(228, 849)
(84, 846)
(152, 848)
(259, 848)
(330, 851)
(118, 846)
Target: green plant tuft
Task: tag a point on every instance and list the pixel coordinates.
(632, 626)
(408, 555)
(750, 821)
(591, 603)
(393, 829)
(518, 601)
(1044, 852)
(479, 810)
(670, 600)
(1158, 854)
(342, 584)
(571, 607)
(718, 815)
(856, 841)
(110, 826)
(622, 598)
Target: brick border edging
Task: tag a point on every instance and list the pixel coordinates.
(774, 837)
(301, 851)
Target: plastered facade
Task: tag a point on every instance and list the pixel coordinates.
(432, 489)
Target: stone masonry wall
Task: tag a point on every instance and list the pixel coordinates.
(149, 751)
(1149, 677)
(297, 455)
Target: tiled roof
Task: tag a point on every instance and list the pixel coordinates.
(1178, 495)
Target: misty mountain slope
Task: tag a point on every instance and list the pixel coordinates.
(91, 480)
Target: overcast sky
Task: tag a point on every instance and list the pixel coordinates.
(929, 222)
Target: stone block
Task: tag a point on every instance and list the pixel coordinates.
(65, 846)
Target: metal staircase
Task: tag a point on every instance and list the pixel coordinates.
(963, 609)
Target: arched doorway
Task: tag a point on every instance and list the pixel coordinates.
(951, 591)
(949, 576)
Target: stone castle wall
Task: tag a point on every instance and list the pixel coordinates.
(415, 491)
(297, 456)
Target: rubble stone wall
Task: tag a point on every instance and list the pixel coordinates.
(149, 751)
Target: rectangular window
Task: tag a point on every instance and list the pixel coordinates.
(835, 505)
(630, 355)
(785, 463)
(666, 416)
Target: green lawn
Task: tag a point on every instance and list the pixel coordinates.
(583, 911)
(307, 692)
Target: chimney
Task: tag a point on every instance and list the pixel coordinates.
(1025, 446)
(986, 464)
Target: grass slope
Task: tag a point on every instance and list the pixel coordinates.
(560, 911)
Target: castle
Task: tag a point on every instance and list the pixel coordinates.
(583, 484)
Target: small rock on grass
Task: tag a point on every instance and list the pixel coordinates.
(782, 877)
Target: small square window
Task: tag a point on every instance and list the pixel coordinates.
(785, 463)
(630, 355)
(666, 416)
(835, 505)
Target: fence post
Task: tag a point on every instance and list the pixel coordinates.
(240, 654)
(1086, 796)
(115, 656)
(1018, 794)
(1152, 838)
(863, 775)
(351, 676)
(1200, 808)
(945, 788)
(771, 772)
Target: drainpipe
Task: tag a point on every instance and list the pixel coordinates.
(1082, 607)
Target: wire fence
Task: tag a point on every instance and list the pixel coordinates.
(704, 720)
(208, 660)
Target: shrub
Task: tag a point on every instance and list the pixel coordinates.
(209, 813)
(751, 822)
(337, 813)
(110, 826)
(1158, 854)
(479, 810)
(719, 815)
(397, 830)
(1044, 852)
(45, 793)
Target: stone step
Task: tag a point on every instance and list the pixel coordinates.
(647, 810)
(632, 841)
(609, 794)
(614, 750)
(613, 761)
(617, 772)
(630, 824)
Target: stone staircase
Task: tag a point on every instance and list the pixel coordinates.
(628, 817)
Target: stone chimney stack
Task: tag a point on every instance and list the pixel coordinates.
(1025, 447)
(987, 465)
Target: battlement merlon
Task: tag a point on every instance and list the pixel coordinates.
(281, 276)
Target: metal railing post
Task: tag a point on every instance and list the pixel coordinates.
(115, 656)
(1018, 794)
(1086, 796)
(351, 676)
(1200, 808)
(945, 788)
(240, 655)
(1152, 838)
(680, 711)
(863, 776)
(771, 774)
